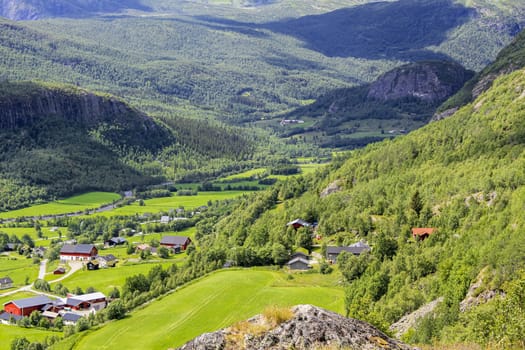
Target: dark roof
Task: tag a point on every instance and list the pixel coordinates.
(6, 280)
(298, 259)
(77, 248)
(6, 316)
(118, 240)
(299, 222)
(299, 255)
(174, 240)
(354, 250)
(40, 300)
(71, 317)
(60, 269)
(109, 257)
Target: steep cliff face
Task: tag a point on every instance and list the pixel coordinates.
(309, 328)
(429, 81)
(22, 105)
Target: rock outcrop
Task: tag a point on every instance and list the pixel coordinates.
(410, 320)
(310, 327)
(431, 81)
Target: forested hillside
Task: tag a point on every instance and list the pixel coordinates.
(58, 140)
(399, 101)
(463, 176)
(248, 62)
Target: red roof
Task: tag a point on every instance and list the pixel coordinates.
(420, 231)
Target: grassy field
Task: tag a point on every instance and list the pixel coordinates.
(211, 303)
(157, 205)
(9, 333)
(74, 204)
(18, 268)
(245, 175)
(104, 280)
(46, 232)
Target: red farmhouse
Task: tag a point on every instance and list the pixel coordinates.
(298, 223)
(175, 241)
(420, 233)
(24, 307)
(78, 252)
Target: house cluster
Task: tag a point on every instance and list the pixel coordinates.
(87, 253)
(70, 308)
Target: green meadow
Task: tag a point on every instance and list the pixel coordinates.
(104, 280)
(211, 303)
(163, 204)
(74, 204)
(18, 268)
(47, 234)
(9, 333)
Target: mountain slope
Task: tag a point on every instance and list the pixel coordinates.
(58, 140)
(511, 58)
(463, 176)
(400, 100)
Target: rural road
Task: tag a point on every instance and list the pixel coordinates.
(75, 266)
(42, 271)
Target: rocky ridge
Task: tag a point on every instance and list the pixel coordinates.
(310, 327)
(431, 81)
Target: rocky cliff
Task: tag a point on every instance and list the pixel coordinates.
(431, 81)
(23, 105)
(309, 327)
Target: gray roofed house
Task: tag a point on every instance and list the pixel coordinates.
(116, 241)
(357, 249)
(298, 264)
(6, 282)
(70, 318)
(107, 260)
(299, 255)
(6, 317)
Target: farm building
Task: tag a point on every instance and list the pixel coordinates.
(298, 264)
(165, 219)
(175, 241)
(59, 271)
(420, 233)
(93, 265)
(7, 318)
(70, 319)
(6, 282)
(297, 223)
(357, 249)
(114, 241)
(24, 307)
(109, 260)
(78, 252)
(92, 301)
(299, 255)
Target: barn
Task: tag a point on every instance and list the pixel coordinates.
(175, 241)
(24, 307)
(79, 252)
